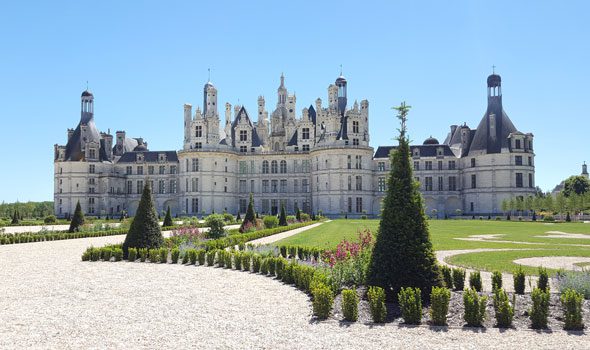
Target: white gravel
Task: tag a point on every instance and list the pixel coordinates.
(282, 235)
(51, 299)
(555, 262)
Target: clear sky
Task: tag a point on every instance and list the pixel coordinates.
(144, 60)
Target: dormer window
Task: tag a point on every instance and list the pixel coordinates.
(162, 157)
(243, 135)
(92, 153)
(199, 131)
(517, 144)
(140, 157)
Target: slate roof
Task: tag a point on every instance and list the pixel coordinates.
(487, 140)
(74, 145)
(343, 132)
(293, 141)
(312, 114)
(425, 150)
(244, 114)
(149, 157)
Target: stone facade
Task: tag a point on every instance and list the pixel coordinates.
(319, 161)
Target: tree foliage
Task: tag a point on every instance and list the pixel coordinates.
(145, 229)
(168, 219)
(250, 218)
(77, 220)
(283, 216)
(403, 255)
(576, 184)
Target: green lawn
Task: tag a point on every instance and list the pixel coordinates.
(448, 235)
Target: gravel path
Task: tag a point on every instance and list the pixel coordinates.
(282, 235)
(51, 299)
(555, 262)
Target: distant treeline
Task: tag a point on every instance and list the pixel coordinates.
(28, 210)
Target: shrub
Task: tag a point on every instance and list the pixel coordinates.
(175, 254)
(94, 254)
(287, 274)
(283, 251)
(246, 261)
(256, 263)
(154, 255)
(496, 280)
(228, 218)
(215, 223)
(201, 256)
(143, 252)
(475, 281)
(283, 216)
(459, 278)
(227, 257)
(221, 257)
(51, 219)
(264, 266)
(238, 260)
(145, 229)
(118, 254)
(323, 298)
(167, 219)
(132, 256)
(572, 304)
(447, 275)
(276, 266)
(519, 280)
(301, 253)
(576, 280)
(439, 305)
(410, 303)
(540, 308)
(77, 220)
(548, 218)
(192, 256)
(249, 219)
(376, 298)
(163, 255)
(475, 308)
(504, 310)
(350, 301)
(105, 253)
(270, 221)
(185, 258)
(210, 256)
(543, 282)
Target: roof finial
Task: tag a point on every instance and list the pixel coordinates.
(340, 69)
(493, 69)
(209, 73)
(86, 85)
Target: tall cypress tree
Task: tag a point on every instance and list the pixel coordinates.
(297, 212)
(77, 220)
(145, 229)
(283, 216)
(250, 216)
(15, 218)
(403, 254)
(168, 219)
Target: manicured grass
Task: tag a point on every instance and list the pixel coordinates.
(450, 235)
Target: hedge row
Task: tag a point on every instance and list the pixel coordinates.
(55, 236)
(300, 252)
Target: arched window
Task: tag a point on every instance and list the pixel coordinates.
(265, 167)
(283, 166)
(274, 167)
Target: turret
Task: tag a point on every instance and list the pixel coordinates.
(341, 85)
(227, 113)
(188, 111)
(282, 92)
(585, 170)
(209, 100)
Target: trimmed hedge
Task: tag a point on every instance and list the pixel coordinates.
(350, 308)
(459, 278)
(519, 280)
(504, 310)
(439, 305)
(28, 237)
(410, 303)
(540, 308)
(572, 304)
(475, 308)
(376, 297)
(323, 298)
(475, 281)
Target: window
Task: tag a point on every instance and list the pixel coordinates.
(198, 145)
(349, 183)
(243, 205)
(151, 170)
(274, 167)
(139, 186)
(252, 186)
(252, 171)
(428, 165)
(428, 183)
(305, 148)
(531, 145)
(473, 181)
(440, 183)
(355, 142)
(349, 162)
(283, 166)
(452, 183)
(295, 186)
(129, 187)
(305, 185)
(305, 133)
(242, 187)
(243, 167)
(471, 206)
(91, 190)
(91, 181)
(472, 162)
(264, 186)
(531, 184)
(162, 169)
(199, 131)
(452, 165)
(359, 204)
(355, 127)
(381, 184)
(173, 169)
(195, 185)
(274, 186)
(416, 165)
(359, 183)
(92, 153)
(305, 166)
(359, 162)
(518, 160)
(195, 205)
(530, 161)
(140, 170)
(440, 165)
(265, 167)
(517, 144)
(243, 149)
(243, 135)
(129, 170)
(265, 205)
(172, 186)
(195, 164)
(161, 187)
(381, 166)
(518, 179)
(350, 204)
(283, 188)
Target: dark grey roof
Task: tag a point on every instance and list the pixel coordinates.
(293, 140)
(343, 132)
(244, 114)
(312, 114)
(425, 150)
(340, 80)
(494, 80)
(86, 93)
(489, 139)
(430, 141)
(74, 145)
(255, 139)
(149, 157)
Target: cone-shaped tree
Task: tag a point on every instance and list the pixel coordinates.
(77, 220)
(283, 216)
(250, 216)
(168, 219)
(238, 217)
(145, 230)
(297, 212)
(15, 218)
(403, 254)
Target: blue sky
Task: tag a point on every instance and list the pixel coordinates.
(143, 60)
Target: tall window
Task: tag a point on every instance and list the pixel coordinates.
(128, 170)
(243, 135)
(359, 204)
(283, 166)
(140, 170)
(472, 162)
(139, 186)
(199, 131)
(172, 186)
(195, 185)
(162, 169)
(349, 182)
(195, 205)
(473, 181)
(265, 167)
(349, 161)
(173, 169)
(428, 165)
(129, 187)
(452, 165)
(359, 183)
(452, 183)
(359, 162)
(518, 160)
(274, 167)
(161, 187)
(283, 186)
(305, 133)
(151, 172)
(517, 144)
(295, 186)
(381, 184)
(305, 185)
(252, 186)
(428, 183)
(530, 161)
(440, 183)
(440, 165)
(305, 166)
(242, 186)
(264, 186)
(531, 184)
(243, 205)
(381, 166)
(243, 167)
(355, 127)
(416, 165)
(350, 204)
(518, 179)
(274, 186)
(92, 153)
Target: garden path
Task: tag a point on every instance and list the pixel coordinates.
(282, 235)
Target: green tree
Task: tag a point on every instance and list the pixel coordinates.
(561, 204)
(250, 216)
(297, 212)
(283, 216)
(528, 203)
(77, 220)
(403, 255)
(519, 205)
(145, 229)
(15, 219)
(168, 219)
(504, 205)
(576, 184)
(549, 203)
(511, 205)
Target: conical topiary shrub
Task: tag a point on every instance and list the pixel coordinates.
(250, 218)
(403, 254)
(77, 220)
(145, 230)
(15, 219)
(283, 216)
(168, 219)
